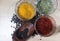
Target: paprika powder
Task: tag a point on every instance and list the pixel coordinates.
(45, 25)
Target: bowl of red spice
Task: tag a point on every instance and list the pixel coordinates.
(45, 26)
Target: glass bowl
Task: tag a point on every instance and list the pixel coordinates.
(45, 26)
(47, 10)
(25, 1)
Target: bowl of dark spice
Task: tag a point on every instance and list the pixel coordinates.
(45, 26)
(46, 7)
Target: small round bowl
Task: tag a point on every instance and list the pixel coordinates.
(52, 22)
(25, 1)
(54, 5)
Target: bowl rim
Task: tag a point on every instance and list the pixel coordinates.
(18, 3)
(52, 9)
(54, 26)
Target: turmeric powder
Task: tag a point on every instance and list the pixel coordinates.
(26, 11)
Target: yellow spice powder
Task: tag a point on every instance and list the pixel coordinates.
(26, 11)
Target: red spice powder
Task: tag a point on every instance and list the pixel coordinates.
(44, 25)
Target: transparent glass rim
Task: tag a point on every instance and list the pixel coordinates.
(53, 9)
(54, 26)
(23, 1)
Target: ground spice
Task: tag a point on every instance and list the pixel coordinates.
(44, 25)
(44, 6)
(26, 11)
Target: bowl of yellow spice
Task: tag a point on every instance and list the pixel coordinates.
(25, 10)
